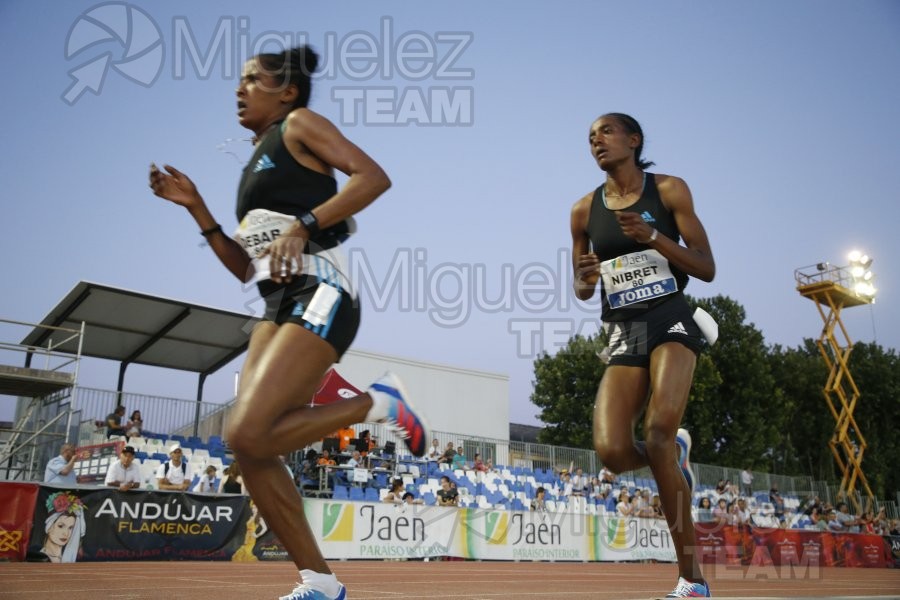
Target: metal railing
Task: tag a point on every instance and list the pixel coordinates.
(176, 416)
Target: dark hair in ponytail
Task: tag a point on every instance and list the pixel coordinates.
(632, 126)
(292, 67)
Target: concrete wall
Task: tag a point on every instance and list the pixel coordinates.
(453, 399)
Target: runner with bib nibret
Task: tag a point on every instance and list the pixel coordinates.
(638, 237)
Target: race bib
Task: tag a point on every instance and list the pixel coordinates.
(637, 277)
(259, 228)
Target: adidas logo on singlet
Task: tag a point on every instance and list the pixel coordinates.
(677, 328)
(263, 163)
(647, 217)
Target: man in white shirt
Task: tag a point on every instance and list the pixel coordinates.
(435, 451)
(355, 460)
(123, 473)
(60, 469)
(174, 474)
(746, 483)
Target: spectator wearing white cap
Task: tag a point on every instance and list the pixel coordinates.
(175, 473)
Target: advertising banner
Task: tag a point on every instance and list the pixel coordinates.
(61, 524)
(16, 513)
(105, 524)
(378, 530)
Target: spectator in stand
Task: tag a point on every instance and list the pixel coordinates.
(656, 511)
(449, 453)
(720, 512)
(742, 513)
(747, 482)
(395, 493)
(324, 464)
(478, 465)
(721, 490)
(325, 460)
(344, 435)
(579, 483)
(123, 473)
(539, 502)
(175, 473)
(731, 490)
(135, 425)
(459, 459)
(595, 489)
(867, 523)
(814, 518)
(882, 527)
(355, 460)
(607, 476)
(895, 527)
(434, 452)
(811, 503)
(410, 498)
(848, 521)
(777, 502)
(232, 482)
(624, 508)
(370, 442)
(207, 484)
(565, 483)
(704, 510)
(60, 470)
(114, 422)
(447, 495)
(832, 524)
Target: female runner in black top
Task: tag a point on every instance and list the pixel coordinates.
(625, 236)
(292, 220)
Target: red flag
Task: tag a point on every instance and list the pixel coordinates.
(333, 388)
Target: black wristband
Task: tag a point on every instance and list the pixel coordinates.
(211, 230)
(311, 223)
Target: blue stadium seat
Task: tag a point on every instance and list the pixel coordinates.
(140, 455)
(517, 504)
(429, 498)
(371, 495)
(356, 493)
(611, 504)
(340, 493)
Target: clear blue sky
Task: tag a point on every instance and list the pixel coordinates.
(782, 117)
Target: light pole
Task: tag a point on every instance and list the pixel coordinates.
(832, 289)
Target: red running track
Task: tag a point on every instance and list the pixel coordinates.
(416, 579)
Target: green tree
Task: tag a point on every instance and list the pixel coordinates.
(800, 374)
(750, 405)
(877, 375)
(565, 386)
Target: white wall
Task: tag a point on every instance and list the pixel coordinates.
(454, 400)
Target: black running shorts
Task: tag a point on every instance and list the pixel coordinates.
(337, 324)
(632, 342)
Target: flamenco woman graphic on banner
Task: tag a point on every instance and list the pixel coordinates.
(64, 527)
